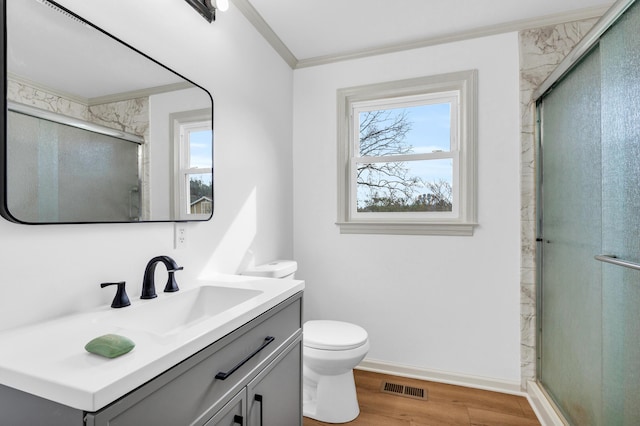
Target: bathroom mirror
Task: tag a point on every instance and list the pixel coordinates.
(95, 131)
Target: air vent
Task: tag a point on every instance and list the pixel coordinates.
(402, 390)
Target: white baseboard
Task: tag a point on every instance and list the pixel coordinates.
(469, 381)
(544, 409)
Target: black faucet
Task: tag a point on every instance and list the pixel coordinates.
(148, 282)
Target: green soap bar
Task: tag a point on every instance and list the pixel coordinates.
(110, 345)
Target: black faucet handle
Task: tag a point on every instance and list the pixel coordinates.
(172, 285)
(121, 299)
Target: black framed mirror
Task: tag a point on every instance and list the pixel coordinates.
(95, 131)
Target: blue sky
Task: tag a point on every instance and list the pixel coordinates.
(430, 127)
(430, 131)
(200, 149)
(201, 152)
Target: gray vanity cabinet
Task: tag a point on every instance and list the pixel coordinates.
(214, 387)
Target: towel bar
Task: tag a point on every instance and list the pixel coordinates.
(609, 258)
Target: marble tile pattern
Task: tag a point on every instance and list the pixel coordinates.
(541, 50)
(131, 116)
(39, 98)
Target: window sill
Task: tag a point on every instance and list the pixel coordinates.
(408, 228)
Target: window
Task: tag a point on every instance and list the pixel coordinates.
(193, 184)
(407, 156)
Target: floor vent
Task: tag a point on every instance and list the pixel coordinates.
(402, 390)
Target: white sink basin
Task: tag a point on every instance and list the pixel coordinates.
(173, 312)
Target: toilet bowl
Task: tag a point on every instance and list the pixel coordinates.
(330, 351)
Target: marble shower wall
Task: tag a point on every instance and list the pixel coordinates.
(131, 116)
(541, 50)
(28, 95)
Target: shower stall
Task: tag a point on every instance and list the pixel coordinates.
(588, 254)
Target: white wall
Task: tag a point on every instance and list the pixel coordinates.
(438, 303)
(54, 269)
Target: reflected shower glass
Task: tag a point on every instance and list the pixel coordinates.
(71, 174)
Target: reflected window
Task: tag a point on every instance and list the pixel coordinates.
(194, 174)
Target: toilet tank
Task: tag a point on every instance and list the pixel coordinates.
(277, 269)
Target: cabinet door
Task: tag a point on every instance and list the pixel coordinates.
(233, 413)
(275, 395)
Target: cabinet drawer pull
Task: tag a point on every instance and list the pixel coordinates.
(238, 420)
(258, 398)
(223, 376)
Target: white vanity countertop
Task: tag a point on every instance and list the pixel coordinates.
(48, 359)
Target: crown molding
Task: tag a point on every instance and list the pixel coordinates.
(117, 97)
(267, 32)
(46, 89)
(521, 25)
(272, 38)
(141, 93)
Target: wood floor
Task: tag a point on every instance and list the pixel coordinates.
(443, 405)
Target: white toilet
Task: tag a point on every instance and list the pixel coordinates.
(331, 349)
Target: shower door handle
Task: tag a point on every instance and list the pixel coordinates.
(612, 259)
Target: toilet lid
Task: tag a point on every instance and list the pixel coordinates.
(333, 335)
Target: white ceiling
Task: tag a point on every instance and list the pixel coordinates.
(313, 29)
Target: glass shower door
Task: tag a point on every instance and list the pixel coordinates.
(620, 57)
(589, 344)
(570, 343)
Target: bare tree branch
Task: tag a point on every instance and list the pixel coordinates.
(391, 186)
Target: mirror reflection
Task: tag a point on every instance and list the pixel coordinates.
(95, 130)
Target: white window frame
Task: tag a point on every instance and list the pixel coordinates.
(181, 124)
(460, 89)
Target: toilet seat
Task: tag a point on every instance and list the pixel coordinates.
(333, 335)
